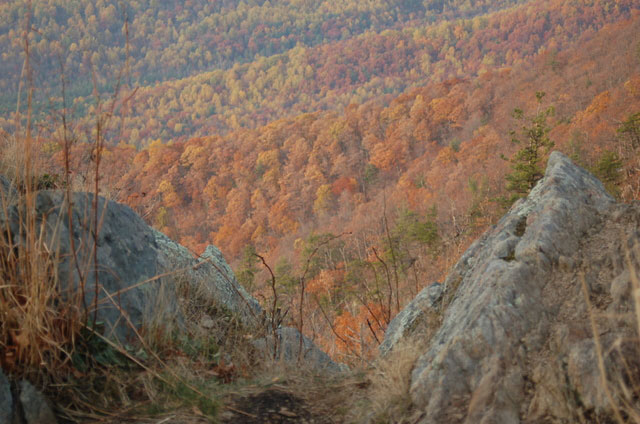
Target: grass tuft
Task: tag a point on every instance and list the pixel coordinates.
(386, 397)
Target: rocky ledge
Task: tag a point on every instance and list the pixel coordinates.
(514, 342)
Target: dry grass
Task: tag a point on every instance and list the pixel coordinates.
(384, 397)
(179, 370)
(12, 159)
(38, 327)
(618, 364)
(176, 373)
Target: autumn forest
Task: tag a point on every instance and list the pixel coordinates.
(358, 148)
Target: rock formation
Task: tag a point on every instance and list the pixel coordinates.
(417, 317)
(141, 273)
(6, 400)
(138, 269)
(514, 340)
(528, 326)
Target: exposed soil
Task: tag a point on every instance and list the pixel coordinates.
(272, 406)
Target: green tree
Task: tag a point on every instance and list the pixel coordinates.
(410, 227)
(411, 236)
(631, 129)
(248, 270)
(320, 251)
(370, 173)
(608, 170)
(284, 275)
(526, 163)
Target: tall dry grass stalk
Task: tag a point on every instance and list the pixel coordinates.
(38, 327)
(627, 382)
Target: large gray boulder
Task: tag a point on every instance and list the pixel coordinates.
(502, 309)
(30, 406)
(140, 272)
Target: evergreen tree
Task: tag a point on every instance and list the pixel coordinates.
(631, 128)
(527, 163)
(609, 170)
(248, 270)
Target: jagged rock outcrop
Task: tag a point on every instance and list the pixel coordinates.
(515, 342)
(211, 274)
(34, 405)
(29, 407)
(141, 272)
(139, 269)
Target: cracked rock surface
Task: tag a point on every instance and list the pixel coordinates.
(138, 268)
(515, 343)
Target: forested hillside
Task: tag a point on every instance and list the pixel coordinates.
(301, 164)
(376, 201)
(357, 207)
(143, 43)
(205, 68)
(371, 65)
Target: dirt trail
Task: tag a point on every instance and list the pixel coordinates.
(272, 406)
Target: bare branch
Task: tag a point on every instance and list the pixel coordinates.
(386, 269)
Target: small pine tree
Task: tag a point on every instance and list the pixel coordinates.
(410, 228)
(608, 170)
(248, 269)
(631, 128)
(527, 163)
(285, 276)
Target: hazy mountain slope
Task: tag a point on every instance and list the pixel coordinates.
(168, 40)
(368, 66)
(306, 78)
(376, 167)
